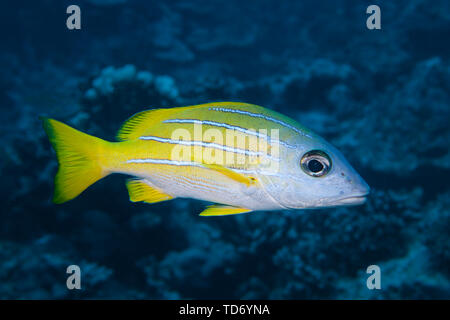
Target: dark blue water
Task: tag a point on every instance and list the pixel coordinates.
(381, 96)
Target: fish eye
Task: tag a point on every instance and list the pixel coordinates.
(315, 163)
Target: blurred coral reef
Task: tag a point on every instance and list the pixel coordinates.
(382, 98)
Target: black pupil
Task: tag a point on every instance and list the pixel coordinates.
(315, 166)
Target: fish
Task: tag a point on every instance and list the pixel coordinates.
(241, 157)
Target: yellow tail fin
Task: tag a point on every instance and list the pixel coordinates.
(78, 157)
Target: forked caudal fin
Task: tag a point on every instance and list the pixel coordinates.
(79, 156)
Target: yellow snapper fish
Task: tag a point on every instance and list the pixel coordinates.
(242, 157)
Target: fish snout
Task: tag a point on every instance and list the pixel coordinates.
(357, 194)
(362, 188)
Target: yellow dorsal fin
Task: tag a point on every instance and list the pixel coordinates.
(222, 210)
(248, 181)
(139, 190)
(139, 123)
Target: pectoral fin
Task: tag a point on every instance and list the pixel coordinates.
(248, 181)
(222, 210)
(139, 190)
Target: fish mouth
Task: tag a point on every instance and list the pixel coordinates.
(352, 200)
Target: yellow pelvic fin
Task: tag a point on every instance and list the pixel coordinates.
(248, 181)
(79, 157)
(141, 122)
(139, 190)
(222, 210)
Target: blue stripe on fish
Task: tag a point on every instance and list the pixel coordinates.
(194, 164)
(228, 126)
(218, 124)
(208, 145)
(262, 116)
(165, 161)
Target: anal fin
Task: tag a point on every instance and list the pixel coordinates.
(222, 210)
(140, 190)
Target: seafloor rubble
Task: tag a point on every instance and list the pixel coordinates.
(381, 98)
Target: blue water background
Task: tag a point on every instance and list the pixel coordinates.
(381, 96)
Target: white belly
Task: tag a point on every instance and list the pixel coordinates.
(214, 188)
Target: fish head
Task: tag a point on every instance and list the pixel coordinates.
(314, 174)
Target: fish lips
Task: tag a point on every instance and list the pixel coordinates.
(351, 201)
